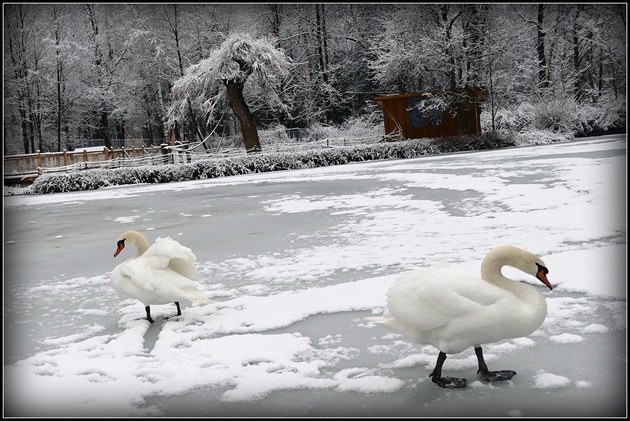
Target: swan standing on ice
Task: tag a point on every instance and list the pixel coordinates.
(452, 309)
(158, 274)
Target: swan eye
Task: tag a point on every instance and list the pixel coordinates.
(542, 268)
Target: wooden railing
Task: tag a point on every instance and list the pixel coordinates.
(24, 169)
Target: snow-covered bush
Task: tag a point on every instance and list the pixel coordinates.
(273, 135)
(557, 113)
(509, 120)
(223, 167)
(214, 167)
(319, 131)
(488, 140)
(560, 115)
(362, 127)
(541, 137)
(355, 128)
(607, 116)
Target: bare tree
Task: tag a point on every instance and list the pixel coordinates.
(22, 51)
(543, 71)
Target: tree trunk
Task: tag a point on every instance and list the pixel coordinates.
(244, 115)
(576, 63)
(543, 73)
(31, 124)
(322, 54)
(104, 129)
(38, 118)
(447, 26)
(162, 116)
(275, 19)
(59, 105)
(194, 126)
(173, 27)
(17, 14)
(56, 32)
(24, 126)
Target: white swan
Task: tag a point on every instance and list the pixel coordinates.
(158, 274)
(452, 309)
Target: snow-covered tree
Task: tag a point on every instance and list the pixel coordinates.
(22, 74)
(79, 72)
(239, 59)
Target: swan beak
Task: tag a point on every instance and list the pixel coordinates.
(121, 245)
(542, 276)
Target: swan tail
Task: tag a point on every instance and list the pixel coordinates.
(381, 320)
(200, 298)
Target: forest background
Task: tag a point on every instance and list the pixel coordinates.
(83, 74)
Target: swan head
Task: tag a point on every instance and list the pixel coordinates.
(541, 274)
(129, 238)
(518, 258)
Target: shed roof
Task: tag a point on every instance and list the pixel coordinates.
(477, 91)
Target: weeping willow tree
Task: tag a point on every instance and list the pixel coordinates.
(225, 73)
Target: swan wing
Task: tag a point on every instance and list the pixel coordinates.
(427, 298)
(153, 283)
(166, 252)
(124, 281)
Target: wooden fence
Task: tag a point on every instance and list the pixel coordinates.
(24, 169)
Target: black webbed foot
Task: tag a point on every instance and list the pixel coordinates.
(450, 382)
(445, 382)
(496, 376)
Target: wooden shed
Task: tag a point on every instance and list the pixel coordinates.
(432, 113)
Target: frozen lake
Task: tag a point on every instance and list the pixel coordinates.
(295, 261)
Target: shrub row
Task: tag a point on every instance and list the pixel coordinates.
(259, 163)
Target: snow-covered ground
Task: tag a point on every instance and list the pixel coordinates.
(295, 261)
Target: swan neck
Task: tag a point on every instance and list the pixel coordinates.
(491, 273)
(498, 279)
(142, 244)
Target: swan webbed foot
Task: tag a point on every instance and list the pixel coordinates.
(445, 382)
(496, 376)
(450, 382)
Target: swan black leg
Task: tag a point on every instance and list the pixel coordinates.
(148, 310)
(446, 382)
(179, 311)
(491, 376)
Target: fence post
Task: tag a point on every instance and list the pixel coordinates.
(164, 152)
(39, 159)
(65, 157)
